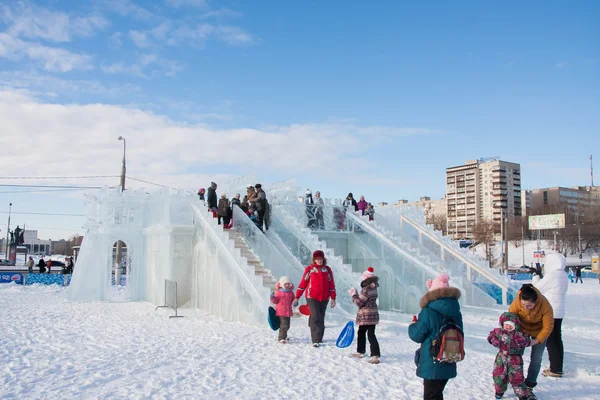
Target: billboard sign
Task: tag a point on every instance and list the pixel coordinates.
(539, 254)
(550, 221)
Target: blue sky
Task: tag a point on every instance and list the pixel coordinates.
(344, 96)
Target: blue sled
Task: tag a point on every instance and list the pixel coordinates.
(273, 319)
(346, 337)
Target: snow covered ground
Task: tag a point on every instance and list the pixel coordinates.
(53, 349)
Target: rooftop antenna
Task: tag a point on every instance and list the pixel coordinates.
(592, 171)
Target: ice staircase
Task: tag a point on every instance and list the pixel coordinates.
(410, 223)
(252, 259)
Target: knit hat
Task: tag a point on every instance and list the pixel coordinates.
(318, 254)
(510, 318)
(367, 274)
(308, 191)
(258, 186)
(283, 280)
(213, 185)
(439, 282)
(201, 191)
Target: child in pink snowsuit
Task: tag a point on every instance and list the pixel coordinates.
(283, 298)
(508, 366)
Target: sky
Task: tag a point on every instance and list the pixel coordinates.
(375, 99)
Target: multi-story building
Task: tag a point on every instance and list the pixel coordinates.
(481, 190)
(35, 245)
(572, 201)
(431, 207)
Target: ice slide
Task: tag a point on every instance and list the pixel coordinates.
(409, 224)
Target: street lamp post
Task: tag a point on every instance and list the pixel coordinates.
(7, 231)
(123, 167)
(119, 243)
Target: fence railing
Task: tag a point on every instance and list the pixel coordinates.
(170, 298)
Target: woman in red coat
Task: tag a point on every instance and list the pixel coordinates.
(318, 286)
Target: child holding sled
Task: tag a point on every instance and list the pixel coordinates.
(508, 365)
(283, 298)
(368, 315)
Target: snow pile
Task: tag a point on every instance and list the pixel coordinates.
(54, 349)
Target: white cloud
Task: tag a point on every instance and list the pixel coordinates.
(33, 22)
(221, 13)
(562, 64)
(126, 8)
(140, 39)
(49, 58)
(48, 84)
(162, 150)
(187, 3)
(144, 62)
(233, 35)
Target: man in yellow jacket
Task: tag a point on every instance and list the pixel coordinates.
(537, 320)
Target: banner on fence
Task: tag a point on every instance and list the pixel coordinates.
(549, 221)
(11, 277)
(539, 254)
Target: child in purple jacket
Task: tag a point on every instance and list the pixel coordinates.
(283, 298)
(508, 365)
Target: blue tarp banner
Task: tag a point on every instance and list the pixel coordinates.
(8, 277)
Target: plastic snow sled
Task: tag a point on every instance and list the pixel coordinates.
(273, 319)
(346, 337)
(304, 309)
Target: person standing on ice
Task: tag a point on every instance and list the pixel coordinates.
(361, 205)
(440, 303)
(211, 198)
(30, 265)
(310, 209)
(368, 315)
(537, 320)
(201, 193)
(578, 275)
(319, 204)
(554, 286)
(283, 297)
(510, 341)
(260, 204)
(318, 286)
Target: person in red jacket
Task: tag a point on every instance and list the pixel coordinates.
(318, 286)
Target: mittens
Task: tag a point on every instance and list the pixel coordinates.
(352, 292)
(414, 319)
(295, 303)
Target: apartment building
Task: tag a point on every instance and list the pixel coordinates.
(431, 207)
(481, 190)
(572, 201)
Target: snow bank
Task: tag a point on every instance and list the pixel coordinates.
(54, 349)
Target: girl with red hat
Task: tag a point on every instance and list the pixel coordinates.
(318, 286)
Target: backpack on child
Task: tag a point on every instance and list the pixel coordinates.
(449, 344)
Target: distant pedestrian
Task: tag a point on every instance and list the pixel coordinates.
(211, 198)
(310, 209)
(42, 265)
(49, 266)
(578, 274)
(349, 202)
(319, 203)
(370, 211)
(30, 264)
(260, 204)
(223, 210)
(361, 205)
(201, 193)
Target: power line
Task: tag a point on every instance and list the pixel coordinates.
(37, 213)
(60, 177)
(141, 180)
(41, 190)
(51, 186)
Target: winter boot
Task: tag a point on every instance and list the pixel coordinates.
(358, 355)
(499, 395)
(283, 341)
(374, 360)
(315, 345)
(551, 374)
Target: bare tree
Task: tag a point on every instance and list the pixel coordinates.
(438, 221)
(484, 232)
(516, 230)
